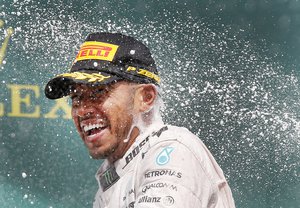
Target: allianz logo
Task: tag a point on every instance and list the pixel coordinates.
(165, 200)
(148, 199)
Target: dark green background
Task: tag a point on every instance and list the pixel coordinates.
(230, 72)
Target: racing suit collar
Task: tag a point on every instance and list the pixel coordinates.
(121, 166)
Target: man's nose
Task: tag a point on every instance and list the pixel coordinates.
(85, 111)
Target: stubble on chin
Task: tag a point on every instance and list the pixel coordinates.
(96, 154)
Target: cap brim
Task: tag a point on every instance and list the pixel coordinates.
(62, 85)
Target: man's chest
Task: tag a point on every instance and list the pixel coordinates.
(121, 194)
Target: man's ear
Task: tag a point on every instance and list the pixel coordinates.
(147, 95)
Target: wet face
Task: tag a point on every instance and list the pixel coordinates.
(103, 117)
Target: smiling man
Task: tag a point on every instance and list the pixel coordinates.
(114, 87)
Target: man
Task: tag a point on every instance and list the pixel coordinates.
(114, 87)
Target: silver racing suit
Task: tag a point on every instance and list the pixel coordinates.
(167, 166)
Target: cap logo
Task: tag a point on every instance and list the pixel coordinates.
(94, 77)
(96, 50)
(145, 73)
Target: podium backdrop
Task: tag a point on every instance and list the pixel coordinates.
(230, 73)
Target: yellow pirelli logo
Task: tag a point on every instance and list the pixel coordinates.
(96, 50)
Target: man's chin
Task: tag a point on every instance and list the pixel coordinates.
(100, 152)
(96, 156)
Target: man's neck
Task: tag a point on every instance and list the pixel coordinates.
(124, 146)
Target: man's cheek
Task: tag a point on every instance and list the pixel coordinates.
(77, 127)
(75, 119)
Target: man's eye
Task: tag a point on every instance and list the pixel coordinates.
(75, 102)
(99, 93)
(75, 99)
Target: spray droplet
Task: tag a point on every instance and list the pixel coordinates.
(24, 175)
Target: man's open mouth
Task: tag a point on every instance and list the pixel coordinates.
(93, 128)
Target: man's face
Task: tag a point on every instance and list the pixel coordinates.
(103, 117)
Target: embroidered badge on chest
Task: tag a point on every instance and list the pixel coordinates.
(108, 178)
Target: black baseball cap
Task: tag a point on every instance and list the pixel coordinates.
(105, 58)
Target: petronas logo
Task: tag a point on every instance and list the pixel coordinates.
(8, 34)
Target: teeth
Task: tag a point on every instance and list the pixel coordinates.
(91, 126)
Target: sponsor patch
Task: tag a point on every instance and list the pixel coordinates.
(108, 178)
(144, 72)
(159, 186)
(135, 151)
(149, 199)
(165, 172)
(131, 205)
(164, 156)
(96, 50)
(159, 132)
(139, 147)
(166, 200)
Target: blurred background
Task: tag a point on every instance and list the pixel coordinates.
(230, 73)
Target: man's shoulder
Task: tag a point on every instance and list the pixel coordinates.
(170, 134)
(173, 133)
(177, 149)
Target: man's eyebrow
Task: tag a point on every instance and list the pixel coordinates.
(73, 95)
(76, 92)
